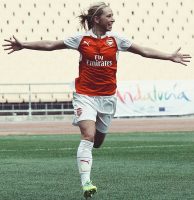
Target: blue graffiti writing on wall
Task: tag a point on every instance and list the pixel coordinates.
(168, 95)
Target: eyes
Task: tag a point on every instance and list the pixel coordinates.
(109, 16)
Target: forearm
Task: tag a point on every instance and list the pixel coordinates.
(45, 45)
(155, 54)
(39, 45)
(149, 52)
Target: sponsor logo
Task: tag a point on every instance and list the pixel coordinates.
(99, 62)
(86, 161)
(87, 43)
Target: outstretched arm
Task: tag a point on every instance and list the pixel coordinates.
(15, 45)
(155, 54)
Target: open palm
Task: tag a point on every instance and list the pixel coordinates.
(180, 58)
(12, 45)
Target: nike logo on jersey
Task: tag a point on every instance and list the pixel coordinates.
(87, 43)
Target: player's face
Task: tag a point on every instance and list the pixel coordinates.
(106, 20)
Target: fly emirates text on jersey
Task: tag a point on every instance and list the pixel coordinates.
(99, 62)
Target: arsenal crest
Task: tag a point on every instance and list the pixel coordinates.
(110, 42)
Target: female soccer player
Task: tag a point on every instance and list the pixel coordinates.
(94, 101)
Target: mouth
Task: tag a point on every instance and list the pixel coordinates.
(110, 26)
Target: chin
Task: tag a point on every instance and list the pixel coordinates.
(109, 29)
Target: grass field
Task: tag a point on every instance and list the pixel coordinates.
(134, 166)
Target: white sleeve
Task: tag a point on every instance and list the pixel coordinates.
(122, 42)
(73, 41)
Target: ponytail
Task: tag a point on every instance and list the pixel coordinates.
(84, 21)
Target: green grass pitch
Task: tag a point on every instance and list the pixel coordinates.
(133, 166)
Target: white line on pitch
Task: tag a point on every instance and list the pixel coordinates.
(71, 148)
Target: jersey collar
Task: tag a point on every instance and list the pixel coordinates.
(91, 33)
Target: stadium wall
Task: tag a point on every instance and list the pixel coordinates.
(164, 25)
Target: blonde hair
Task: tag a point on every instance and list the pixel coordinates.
(86, 19)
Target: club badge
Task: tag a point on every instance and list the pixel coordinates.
(109, 42)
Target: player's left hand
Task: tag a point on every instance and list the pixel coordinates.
(180, 58)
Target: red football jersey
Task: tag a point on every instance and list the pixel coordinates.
(98, 62)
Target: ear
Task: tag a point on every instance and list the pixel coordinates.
(96, 19)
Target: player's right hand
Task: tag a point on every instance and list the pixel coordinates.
(12, 45)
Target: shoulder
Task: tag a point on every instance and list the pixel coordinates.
(122, 41)
(75, 36)
(73, 41)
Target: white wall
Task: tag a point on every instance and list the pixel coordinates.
(164, 25)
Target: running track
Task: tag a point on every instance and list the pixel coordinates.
(118, 125)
